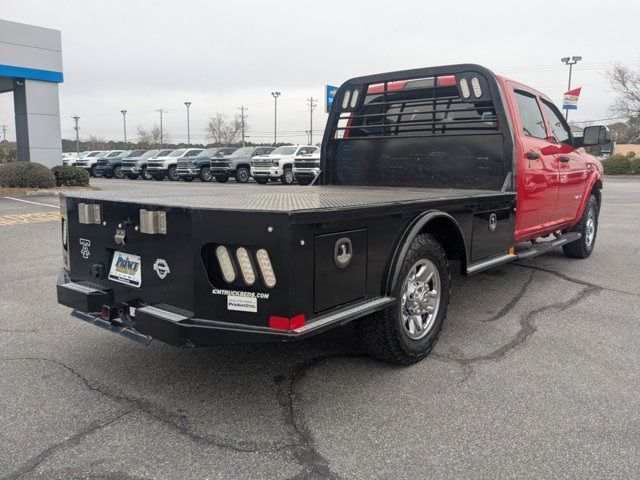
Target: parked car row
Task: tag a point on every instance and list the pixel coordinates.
(287, 164)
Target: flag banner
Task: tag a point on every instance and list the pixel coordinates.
(570, 101)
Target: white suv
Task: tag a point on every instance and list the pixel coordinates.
(278, 164)
(160, 167)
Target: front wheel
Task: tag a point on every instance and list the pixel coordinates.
(205, 174)
(132, 176)
(287, 176)
(262, 180)
(406, 332)
(95, 172)
(588, 228)
(145, 174)
(118, 173)
(173, 174)
(158, 176)
(242, 175)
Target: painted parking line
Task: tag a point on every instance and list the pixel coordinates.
(31, 202)
(24, 218)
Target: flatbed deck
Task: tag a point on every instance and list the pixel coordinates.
(293, 200)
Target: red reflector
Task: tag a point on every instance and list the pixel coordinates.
(447, 81)
(391, 87)
(284, 323)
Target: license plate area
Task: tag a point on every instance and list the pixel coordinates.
(126, 268)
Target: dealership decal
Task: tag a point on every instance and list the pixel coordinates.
(85, 252)
(242, 304)
(235, 293)
(162, 268)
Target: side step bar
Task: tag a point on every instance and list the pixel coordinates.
(525, 253)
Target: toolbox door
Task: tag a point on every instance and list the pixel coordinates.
(340, 268)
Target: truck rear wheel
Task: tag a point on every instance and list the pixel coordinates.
(406, 332)
(588, 227)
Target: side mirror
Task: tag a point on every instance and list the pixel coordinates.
(595, 135)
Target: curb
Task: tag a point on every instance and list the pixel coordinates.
(32, 192)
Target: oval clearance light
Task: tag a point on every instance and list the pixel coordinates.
(248, 275)
(264, 262)
(354, 98)
(475, 85)
(464, 88)
(345, 99)
(226, 266)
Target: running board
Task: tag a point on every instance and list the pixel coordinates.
(541, 248)
(526, 252)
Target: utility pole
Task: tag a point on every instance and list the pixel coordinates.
(312, 104)
(161, 133)
(4, 133)
(571, 62)
(124, 125)
(77, 129)
(275, 96)
(188, 104)
(242, 109)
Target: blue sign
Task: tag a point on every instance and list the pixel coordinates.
(330, 93)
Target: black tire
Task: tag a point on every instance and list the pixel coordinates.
(383, 334)
(588, 227)
(303, 181)
(261, 180)
(242, 175)
(158, 177)
(287, 176)
(118, 173)
(145, 175)
(108, 173)
(132, 176)
(172, 174)
(187, 179)
(222, 178)
(205, 174)
(95, 172)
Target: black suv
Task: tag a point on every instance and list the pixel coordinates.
(200, 165)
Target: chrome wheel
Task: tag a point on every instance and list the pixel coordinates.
(420, 299)
(287, 177)
(590, 228)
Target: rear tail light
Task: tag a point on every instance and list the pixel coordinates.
(475, 85)
(464, 88)
(264, 262)
(226, 266)
(248, 275)
(447, 81)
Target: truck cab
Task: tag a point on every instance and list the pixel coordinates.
(278, 165)
(236, 165)
(167, 166)
(200, 165)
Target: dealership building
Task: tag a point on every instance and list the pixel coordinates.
(31, 68)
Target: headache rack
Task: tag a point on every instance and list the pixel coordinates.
(407, 128)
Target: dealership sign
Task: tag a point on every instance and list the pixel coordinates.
(570, 101)
(329, 94)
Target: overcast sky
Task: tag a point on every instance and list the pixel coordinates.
(142, 56)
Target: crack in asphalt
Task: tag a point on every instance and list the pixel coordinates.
(175, 421)
(577, 281)
(71, 441)
(513, 302)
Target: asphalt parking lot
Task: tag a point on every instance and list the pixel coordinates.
(536, 375)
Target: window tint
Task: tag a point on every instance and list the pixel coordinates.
(530, 116)
(558, 127)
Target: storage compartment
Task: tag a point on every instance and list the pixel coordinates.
(340, 268)
(492, 233)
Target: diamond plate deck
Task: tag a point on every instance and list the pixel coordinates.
(289, 199)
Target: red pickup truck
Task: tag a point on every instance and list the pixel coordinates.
(418, 168)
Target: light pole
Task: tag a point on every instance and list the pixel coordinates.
(124, 124)
(77, 129)
(188, 104)
(275, 118)
(571, 61)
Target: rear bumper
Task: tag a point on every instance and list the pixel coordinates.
(164, 323)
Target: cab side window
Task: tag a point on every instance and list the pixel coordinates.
(530, 115)
(558, 126)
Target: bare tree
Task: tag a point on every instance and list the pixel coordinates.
(95, 143)
(150, 138)
(222, 131)
(626, 83)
